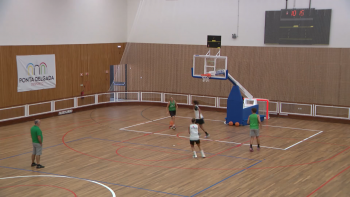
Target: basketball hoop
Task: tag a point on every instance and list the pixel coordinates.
(206, 77)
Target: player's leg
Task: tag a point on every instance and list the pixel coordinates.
(201, 122)
(252, 135)
(38, 154)
(33, 156)
(173, 119)
(194, 151)
(257, 138)
(199, 146)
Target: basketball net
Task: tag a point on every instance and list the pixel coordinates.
(205, 78)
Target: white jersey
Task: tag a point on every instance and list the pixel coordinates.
(194, 132)
(196, 113)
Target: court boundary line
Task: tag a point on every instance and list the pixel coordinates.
(173, 148)
(61, 176)
(53, 186)
(226, 178)
(45, 148)
(128, 186)
(329, 180)
(228, 142)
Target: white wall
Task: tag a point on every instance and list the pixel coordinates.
(190, 21)
(45, 22)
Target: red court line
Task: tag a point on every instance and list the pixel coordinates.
(169, 167)
(14, 136)
(229, 149)
(133, 147)
(47, 129)
(138, 137)
(41, 186)
(308, 141)
(328, 181)
(305, 163)
(117, 151)
(147, 159)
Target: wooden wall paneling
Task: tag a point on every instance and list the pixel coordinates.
(86, 100)
(336, 112)
(307, 75)
(2, 79)
(40, 108)
(64, 104)
(11, 113)
(105, 97)
(71, 60)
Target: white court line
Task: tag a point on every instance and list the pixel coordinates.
(204, 119)
(290, 128)
(125, 129)
(266, 147)
(302, 140)
(13, 177)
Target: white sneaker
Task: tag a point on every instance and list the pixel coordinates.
(194, 156)
(203, 155)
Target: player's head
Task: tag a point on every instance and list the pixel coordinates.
(195, 102)
(254, 110)
(193, 120)
(37, 122)
(171, 98)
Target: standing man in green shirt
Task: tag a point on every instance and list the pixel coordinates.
(255, 122)
(37, 139)
(172, 106)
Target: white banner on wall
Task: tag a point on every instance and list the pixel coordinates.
(36, 72)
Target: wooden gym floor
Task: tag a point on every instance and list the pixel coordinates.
(129, 151)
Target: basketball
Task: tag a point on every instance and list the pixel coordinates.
(230, 123)
(237, 124)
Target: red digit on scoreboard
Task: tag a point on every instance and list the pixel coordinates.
(294, 13)
(301, 13)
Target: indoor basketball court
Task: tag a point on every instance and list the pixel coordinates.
(116, 112)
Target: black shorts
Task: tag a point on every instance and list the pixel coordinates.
(193, 141)
(172, 113)
(200, 121)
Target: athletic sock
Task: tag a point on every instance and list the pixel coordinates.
(258, 145)
(206, 133)
(251, 146)
(194, 154)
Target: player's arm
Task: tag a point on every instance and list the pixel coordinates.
(259, 121)
(39, 139)
(248, 119)
(176, 105)
(200, 112)
(167, 107)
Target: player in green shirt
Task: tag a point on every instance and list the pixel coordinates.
(255, 122)
(172, 106)
(37, 139)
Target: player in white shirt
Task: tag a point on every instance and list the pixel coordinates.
(194, 138)
(199, 117)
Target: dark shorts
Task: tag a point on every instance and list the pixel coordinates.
(200, 121)
(195, 141)
(172, 113)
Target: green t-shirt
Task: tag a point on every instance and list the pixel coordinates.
(35, 132)
(172, 106)
(254, 122)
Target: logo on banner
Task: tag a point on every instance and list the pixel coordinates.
(37, 73)
(37, 69)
